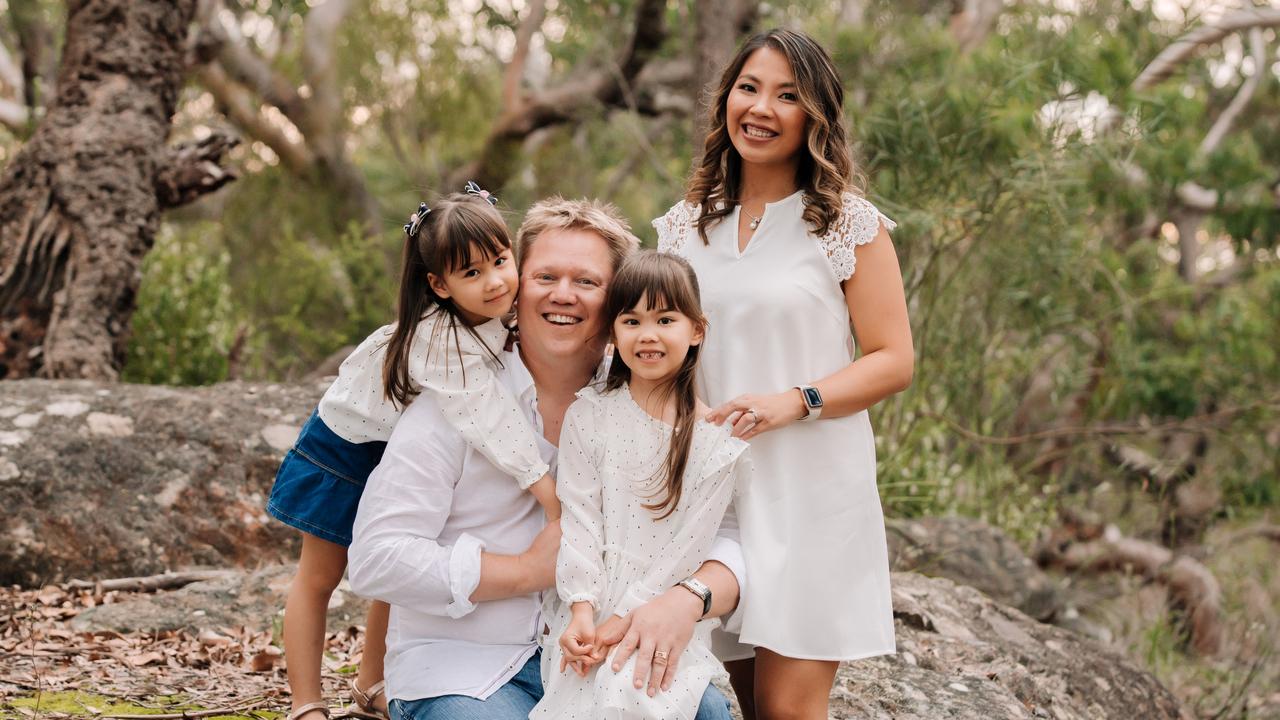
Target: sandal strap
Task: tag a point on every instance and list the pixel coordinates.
(365, 698)
(321, 706)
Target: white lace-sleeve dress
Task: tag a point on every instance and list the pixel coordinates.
(616, 556)
(812, 528)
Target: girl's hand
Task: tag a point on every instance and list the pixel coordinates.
(578, 640)
(755, 414)
(609, 633)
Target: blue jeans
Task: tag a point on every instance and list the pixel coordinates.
(516, 699)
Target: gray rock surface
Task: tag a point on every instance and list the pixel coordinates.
(109, 480)
(973, 553)
(253, 600)
(963, 655)
(960, 654)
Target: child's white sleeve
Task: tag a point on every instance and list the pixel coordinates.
(455, 369)
(580, 564)
(698, 521)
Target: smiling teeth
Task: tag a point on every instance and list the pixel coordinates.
(757, 132)
(562, 319)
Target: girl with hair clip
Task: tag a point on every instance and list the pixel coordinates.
(644, 483)
(459, 281)
(773, 226)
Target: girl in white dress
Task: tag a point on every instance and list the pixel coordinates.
(644, 482)
(459, 280)
(773, 229)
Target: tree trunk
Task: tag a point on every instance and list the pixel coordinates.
(78, 205)
(718, 26)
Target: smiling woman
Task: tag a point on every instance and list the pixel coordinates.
(771, 228)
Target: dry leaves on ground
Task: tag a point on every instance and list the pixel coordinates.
(229, 669)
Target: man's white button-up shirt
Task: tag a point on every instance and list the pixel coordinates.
(427, 511)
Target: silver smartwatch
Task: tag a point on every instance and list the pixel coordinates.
(699, 588)
(812, 401)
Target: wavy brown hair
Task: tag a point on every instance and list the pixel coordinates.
(661, 280)
(826, 170)
(458, 229)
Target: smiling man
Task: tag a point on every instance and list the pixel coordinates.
(462, 555)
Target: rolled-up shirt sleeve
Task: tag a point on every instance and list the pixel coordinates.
(727, 549)
(397, 555)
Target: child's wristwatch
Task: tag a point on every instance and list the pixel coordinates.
(699, 588)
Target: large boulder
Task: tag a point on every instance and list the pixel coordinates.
(963, 655)
(973, 553)
(109, 480)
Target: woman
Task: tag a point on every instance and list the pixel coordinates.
(773, 230)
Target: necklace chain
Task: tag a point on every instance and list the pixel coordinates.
(755, 221)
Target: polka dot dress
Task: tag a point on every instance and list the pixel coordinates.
(616, 556)
(455, 368)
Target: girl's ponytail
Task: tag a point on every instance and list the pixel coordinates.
(415, 301)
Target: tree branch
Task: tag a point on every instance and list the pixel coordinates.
(1183, 48)
(10, 72)
(238, 105)
(13, 115)
(568, 102)
(194, 169)
(324, 108)
(1258, 51)
(524, 39)
(243, 65)
(35, 40)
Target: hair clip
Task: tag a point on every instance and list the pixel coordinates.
(415, 222)
(473, 189)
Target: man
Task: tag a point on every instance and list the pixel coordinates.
(463, 555)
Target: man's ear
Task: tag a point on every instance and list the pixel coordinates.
(437, 285)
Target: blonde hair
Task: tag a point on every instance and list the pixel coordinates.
(826, 169)
(557, 213)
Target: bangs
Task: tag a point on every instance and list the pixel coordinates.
(660, 281)
(467, 231)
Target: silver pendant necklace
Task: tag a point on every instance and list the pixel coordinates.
(755, 221)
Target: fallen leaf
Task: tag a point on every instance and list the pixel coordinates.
(265, 660)
(144, 659)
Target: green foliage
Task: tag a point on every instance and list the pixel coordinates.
(1041, 277)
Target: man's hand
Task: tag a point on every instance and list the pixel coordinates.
(539, 561)
(659, 632)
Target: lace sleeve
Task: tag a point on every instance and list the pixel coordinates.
(675, 227)
(858, 224)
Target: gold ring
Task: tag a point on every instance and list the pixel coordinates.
(659, 657)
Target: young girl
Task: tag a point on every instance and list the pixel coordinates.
(459, 280)
(772, 227)
(644, 484)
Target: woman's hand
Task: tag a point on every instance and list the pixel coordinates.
(659, 632)
(578, 640)
(609, 633)
(755, 414)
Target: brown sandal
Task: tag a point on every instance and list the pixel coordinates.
(322, 707)
(365, 698)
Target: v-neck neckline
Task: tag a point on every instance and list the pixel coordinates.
(739, 251)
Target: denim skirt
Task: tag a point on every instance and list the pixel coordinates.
(318, 486)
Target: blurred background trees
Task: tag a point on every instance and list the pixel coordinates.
(1088, 193)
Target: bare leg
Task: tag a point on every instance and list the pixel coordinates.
(742, 676)
(319, 571)
(791, 689)
(375, 650)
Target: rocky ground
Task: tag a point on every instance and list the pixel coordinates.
(104, 481)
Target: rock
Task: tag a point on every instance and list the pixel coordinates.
(122, 480)
(973, 553)
(252, 600)
(963, 655)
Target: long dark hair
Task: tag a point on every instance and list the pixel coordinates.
(661, 280)
(458, 228)
(826, 169)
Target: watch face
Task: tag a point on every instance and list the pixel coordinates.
(812, 397)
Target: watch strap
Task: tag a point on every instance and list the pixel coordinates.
(699, 588)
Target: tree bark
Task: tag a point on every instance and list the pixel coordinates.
(79, 206)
